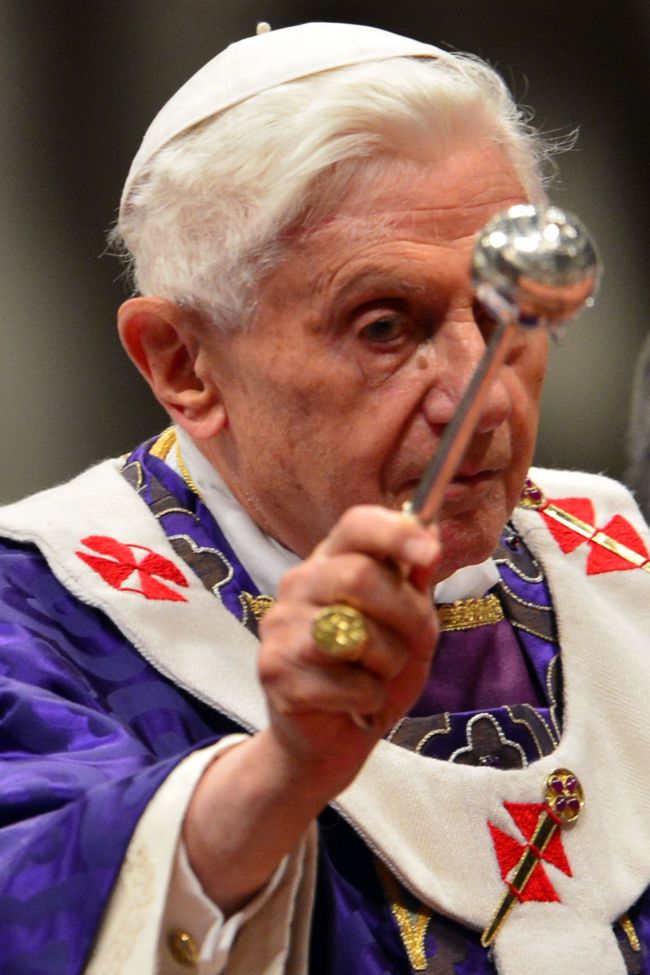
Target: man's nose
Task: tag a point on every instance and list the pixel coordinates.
(455, 353)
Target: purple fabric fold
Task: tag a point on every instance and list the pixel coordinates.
(89, 731)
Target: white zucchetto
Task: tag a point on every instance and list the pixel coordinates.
(263, 61)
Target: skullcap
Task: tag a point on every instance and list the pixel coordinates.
(256, 63)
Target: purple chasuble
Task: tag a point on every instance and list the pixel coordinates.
(478, 668)
(90, 731)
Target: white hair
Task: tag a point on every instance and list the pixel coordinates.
(208, 216)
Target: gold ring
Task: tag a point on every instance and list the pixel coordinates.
(340, 632)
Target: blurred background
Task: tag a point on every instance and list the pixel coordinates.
(81, 79)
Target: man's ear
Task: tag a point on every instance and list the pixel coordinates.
(162, 340)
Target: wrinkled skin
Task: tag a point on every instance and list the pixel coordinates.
(321, 416)
(362, 345)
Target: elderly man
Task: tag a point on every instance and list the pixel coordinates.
(369, 784)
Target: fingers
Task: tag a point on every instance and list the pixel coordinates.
(309, 682)
(301, 682)
(313, 697)
(289, 630)
(383, 534)
(375, 588)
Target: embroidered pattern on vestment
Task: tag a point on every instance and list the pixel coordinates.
(467, 614)
(509, 736)
(488, 746)
(521, 864)
(420, 930)
(545, 738)
(615, 547)
(413, 733)
(181, 514)
(121, 562)
(191, 531)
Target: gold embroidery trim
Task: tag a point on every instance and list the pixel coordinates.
(164, 443)
(628, 927)
(258, 605)
(588, 531)
(467, 614)
(185, 474)
(163, 446)
(412, 925)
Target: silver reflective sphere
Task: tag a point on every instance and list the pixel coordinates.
(534, 265)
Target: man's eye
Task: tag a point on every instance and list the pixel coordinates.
(383, 330)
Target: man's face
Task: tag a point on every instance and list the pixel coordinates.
(360, 349)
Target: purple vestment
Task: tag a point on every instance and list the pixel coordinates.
(90, 731)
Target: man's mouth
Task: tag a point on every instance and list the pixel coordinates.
(471, 482)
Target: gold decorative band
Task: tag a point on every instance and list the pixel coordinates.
(412, 921)
(164, 443)
(185, 474)
(467, 614)
(630, 933)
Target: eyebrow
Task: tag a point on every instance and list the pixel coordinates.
(380, 281)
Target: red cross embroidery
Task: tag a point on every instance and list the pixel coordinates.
(119, 563)
(615, 547)
(521, 863)
(509, 852)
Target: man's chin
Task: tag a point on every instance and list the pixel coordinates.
(468, 539)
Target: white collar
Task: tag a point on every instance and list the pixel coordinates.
(265, 559)
(440, 847)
